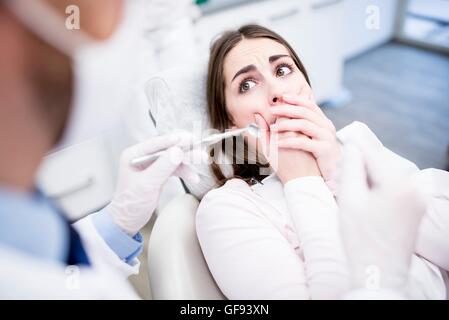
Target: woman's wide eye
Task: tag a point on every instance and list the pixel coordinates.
(283, 71)
(246, 85)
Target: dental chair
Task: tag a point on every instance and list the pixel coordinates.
(177, 268)
(176, 264)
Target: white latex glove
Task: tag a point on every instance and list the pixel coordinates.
(380, 211)
(138, 189)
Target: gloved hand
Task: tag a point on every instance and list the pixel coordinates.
(380, 211)
(138, 189)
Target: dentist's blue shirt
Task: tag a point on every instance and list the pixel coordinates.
(31, 224)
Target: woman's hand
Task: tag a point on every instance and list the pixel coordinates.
(288, 163)
(293, 163)
(318, 135)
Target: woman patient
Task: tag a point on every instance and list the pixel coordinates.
(277, 236)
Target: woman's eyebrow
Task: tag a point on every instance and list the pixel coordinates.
(246, 69)
(276, 57)
(252, 67)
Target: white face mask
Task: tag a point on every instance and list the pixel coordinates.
(49, 25)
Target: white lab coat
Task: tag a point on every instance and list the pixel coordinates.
(148, 40)
(26, 277)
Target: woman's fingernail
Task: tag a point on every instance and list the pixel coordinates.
(273, 127)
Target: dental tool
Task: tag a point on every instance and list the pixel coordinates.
(252, 129)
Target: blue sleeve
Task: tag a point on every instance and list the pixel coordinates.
(126, 247)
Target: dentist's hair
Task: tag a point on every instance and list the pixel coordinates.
(216, 103)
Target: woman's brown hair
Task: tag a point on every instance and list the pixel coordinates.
(216, 104)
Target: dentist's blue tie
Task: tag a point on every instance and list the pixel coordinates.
(76, 253)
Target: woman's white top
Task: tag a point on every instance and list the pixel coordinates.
(275, 241)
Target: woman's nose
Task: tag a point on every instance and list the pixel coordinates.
(275, 90)
(275, 94)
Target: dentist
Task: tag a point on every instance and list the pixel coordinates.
(41, 254)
